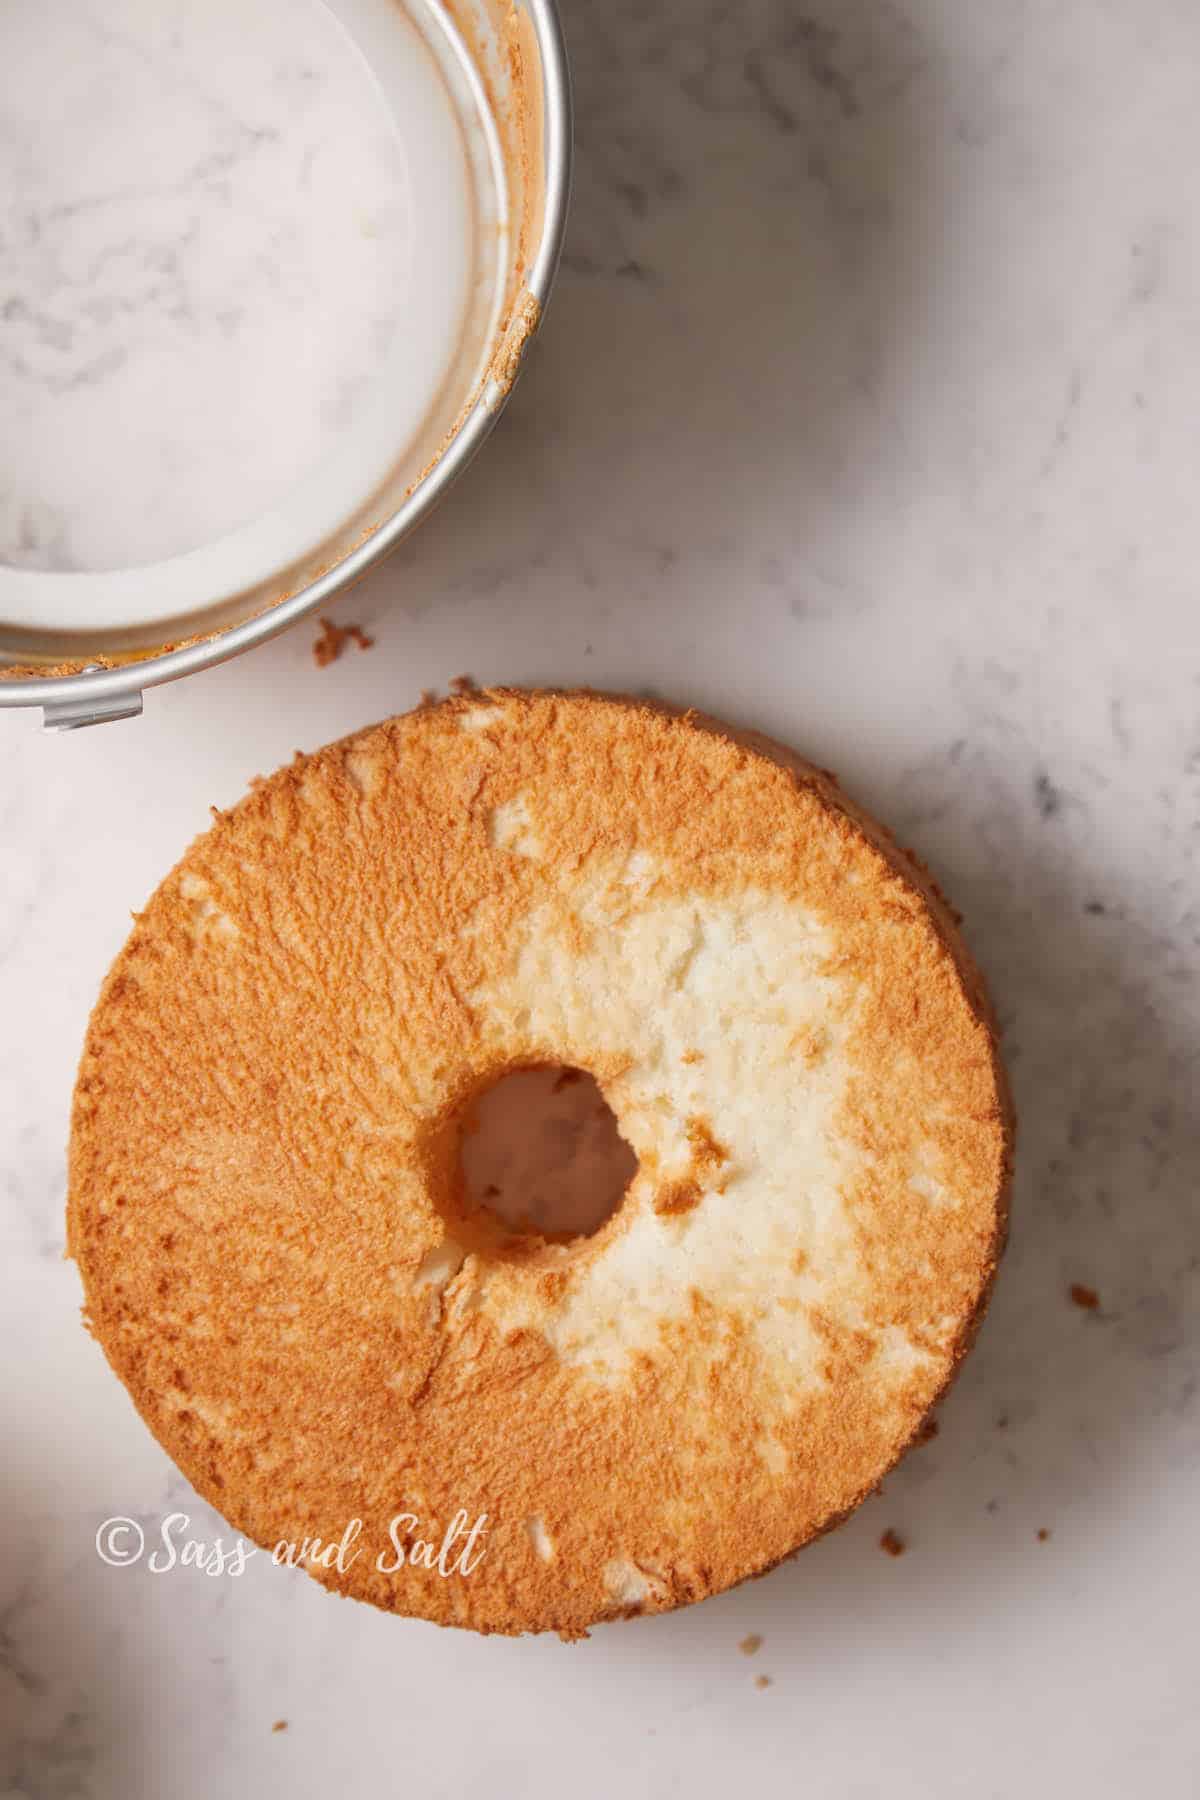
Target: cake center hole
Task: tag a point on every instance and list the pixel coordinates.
(541, 1151)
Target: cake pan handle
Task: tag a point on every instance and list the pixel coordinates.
(71, 715)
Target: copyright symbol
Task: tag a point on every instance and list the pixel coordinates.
(120, 1541)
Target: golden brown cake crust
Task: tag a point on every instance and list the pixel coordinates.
(273, 1241)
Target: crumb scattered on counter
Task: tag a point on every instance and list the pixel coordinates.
(279, 1725)
(457, 684)
(750, 1644)
(927, 1433)
(1002, 1422)
(1043, 1534)
(762, 1681)
(892, 1542)
(1086, 1297)
(333, 640)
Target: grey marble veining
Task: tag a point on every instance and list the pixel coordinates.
(865, 414)
(149, 320)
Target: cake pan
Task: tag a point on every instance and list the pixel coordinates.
(506, 64)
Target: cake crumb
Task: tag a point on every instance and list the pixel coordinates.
(1086, 1297)
(762, 1681)
(1043, 1534)
(1002, 1422)
(333, 640)
(462, 684)
(892, 1542)
(750, 1644)
(279, 1725)
(927, 1433)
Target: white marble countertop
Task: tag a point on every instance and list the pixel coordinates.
(866, 413)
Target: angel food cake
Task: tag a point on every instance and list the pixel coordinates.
(279, 1252)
